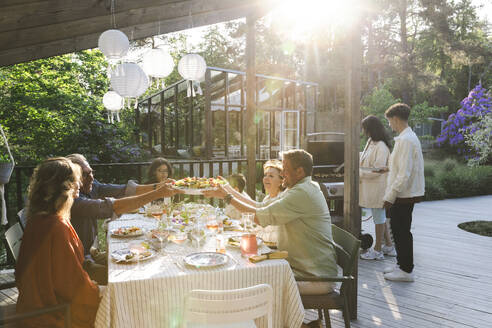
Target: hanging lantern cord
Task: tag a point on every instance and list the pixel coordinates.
(113, 17)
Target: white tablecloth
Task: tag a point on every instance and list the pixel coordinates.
(153, 294)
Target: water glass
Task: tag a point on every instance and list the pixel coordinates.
(247, 220)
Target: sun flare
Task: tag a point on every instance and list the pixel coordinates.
(301, 18)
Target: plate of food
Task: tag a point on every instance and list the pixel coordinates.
(128, 256)
(231, 225)
(125, 232)
(235, 241)
(206, 259)
(196, 186)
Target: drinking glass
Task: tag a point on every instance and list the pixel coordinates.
(249, 245)
(156, 211)
(247, 220)
(197, 233)
(162, 235)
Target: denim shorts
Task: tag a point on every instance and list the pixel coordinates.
(378, 215)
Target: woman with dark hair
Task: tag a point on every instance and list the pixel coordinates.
(49, 268)
(373, 184)
(159, 171)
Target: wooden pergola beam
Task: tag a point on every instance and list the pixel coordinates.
(352, 116)
(250, 125)
(40, 29)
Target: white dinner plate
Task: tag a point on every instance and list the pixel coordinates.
(206, 259)
(126, 256)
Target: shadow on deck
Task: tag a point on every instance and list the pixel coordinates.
(453, 271)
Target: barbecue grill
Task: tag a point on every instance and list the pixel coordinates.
(328, 157)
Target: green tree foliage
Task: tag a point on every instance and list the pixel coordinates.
(53, 107)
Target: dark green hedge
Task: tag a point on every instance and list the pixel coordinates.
(448, 179)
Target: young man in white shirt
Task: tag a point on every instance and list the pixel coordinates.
(405, 187)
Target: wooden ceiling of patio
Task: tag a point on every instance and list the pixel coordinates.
(32, 29)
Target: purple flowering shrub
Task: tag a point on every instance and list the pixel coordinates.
(464, 122)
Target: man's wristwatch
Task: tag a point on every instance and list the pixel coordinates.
(228, 199)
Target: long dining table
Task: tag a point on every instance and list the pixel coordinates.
(152, 293)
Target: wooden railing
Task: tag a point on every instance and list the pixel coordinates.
(16, 189)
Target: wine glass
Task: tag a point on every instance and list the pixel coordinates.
(161, 235)
(197, 233)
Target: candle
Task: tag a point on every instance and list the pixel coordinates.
(249, 246)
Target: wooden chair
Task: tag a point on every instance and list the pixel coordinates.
(10, 318)
(13, 236)
(347, 250)
(229, 308)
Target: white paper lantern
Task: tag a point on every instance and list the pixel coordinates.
(129, 80)
(158, 63)
(113, 44)
(113, 101)
(192, 67)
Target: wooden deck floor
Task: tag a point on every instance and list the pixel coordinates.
(453, 270)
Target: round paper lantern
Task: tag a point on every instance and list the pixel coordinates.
(113, 44)
(158, 63)
(113, 101)
(192, 67)
(129, 80)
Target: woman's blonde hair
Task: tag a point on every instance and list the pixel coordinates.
(273, 163)
(51, 184)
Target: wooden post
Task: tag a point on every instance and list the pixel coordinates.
(250, 105)
(351, 209)
(163, 123)
(208, 116)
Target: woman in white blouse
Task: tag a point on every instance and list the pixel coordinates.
(373, 184)
(272, 181)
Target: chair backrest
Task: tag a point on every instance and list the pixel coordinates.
(13, 235)
(347, 249)
(21, 218)
(229, 306)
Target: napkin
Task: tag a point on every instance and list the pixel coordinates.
(269, 256)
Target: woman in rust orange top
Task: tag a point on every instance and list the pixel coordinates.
(49, 268)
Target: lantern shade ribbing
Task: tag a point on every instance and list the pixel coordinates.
(113, 101)
(192, 67)
(129, 80)
(113, 44)
(158, 63)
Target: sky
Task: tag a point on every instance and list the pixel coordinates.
(486, 12)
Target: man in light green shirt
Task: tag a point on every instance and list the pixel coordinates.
(303, 219)
(302, 215)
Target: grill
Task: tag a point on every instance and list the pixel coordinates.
(328, 155)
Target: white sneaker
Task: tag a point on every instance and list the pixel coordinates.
(390, 268)
(399, 275)
(389, 250)
(372, 254)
